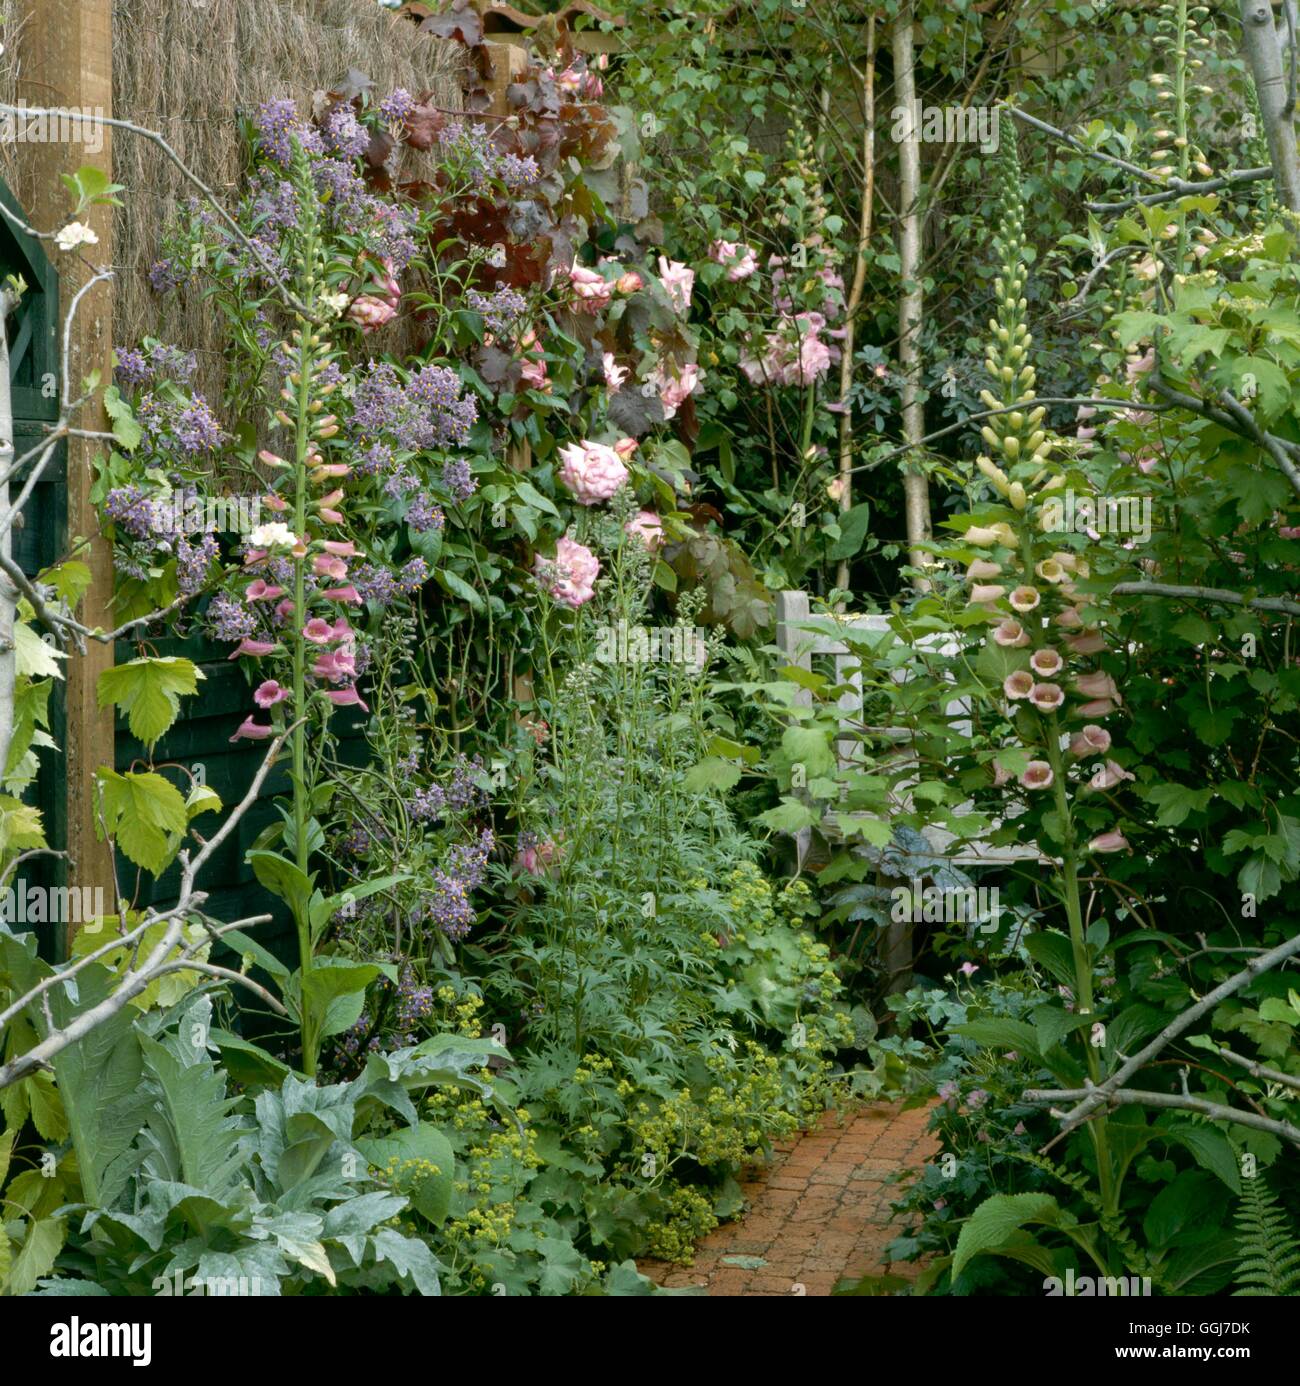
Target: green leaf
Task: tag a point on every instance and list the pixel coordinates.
(334, 993)
(712, 773)
(284, 878)
(788, 817)
(458, 587)
(149, 692)
(526, 491)
(853, 530)
(144, 814)
(429, 1190)
(33, 657)
(809, 747)
(1211, 1150)
(125, 428)
(35, 1259)
(995, 1221)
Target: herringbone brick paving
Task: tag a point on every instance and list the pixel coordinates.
(818, 1212)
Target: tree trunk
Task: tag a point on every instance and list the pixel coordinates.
(916, 493)
(1265, 58)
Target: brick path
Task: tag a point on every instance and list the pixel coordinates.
(818, 1212)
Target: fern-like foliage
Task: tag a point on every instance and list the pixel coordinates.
(1270, 1256)
(1136, 1261)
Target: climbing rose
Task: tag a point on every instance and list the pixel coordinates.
(592, 471)
(674, 391)
(371, 313)
(570, 576)
(615, 374)
(678, 280)
(739, 258)
(646, 526)
(590, 288)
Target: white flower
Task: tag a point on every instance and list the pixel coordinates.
(75, 233)
(274, 535)
(336, 303)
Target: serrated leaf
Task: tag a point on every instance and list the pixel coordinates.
(712, 773)
(149, 692)
(33, 657)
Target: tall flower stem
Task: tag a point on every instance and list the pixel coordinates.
(1079, 948)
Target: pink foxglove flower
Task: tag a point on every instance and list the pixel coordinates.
(981, 569)
(1113, 841)
(1010, 635)
(1046, 663)
(347, 594)
(1050, 570)
(1098, 707)
(1018, 684)
(1091, 741)
(985, 592)
(1046, 697)
(1090, 642)
(1024, 599)
(269, 692)
(1036, 775)
(1098, 685)
(346, 697)
(571, 575)
(319, 632)
(594, 472)
(329, 565)
(259, 591)
(252, 731)
(1068, 619)
(342, 548)
(252, 647)
(1108, 776)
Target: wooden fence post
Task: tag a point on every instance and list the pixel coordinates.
(67, 62)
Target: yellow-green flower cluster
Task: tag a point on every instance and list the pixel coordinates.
(690, 1217)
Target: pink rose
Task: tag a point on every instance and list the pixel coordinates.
(592, 471)
(371, 313)
(629, 282)
(678, 280)
(615, 374)
(646, 526)
(590, 289)
(674, 391)
(571, 575)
